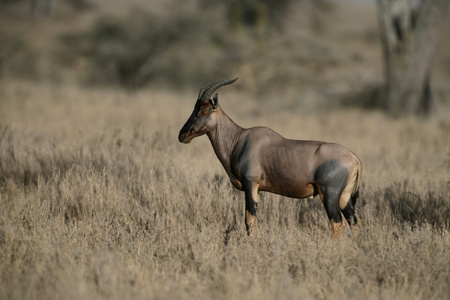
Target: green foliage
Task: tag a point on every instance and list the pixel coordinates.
(368, 96)
(189, 43)
(148, 47)
(17, 58)
(256, 14)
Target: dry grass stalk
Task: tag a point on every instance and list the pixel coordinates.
(99, 200)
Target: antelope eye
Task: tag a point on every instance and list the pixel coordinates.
(201, 111)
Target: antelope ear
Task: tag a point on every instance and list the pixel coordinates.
(214, 101)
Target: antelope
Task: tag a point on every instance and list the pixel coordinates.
(259, 159)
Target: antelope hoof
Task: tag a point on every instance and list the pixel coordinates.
(249, 222)
(337, 229)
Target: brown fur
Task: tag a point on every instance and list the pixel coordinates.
(259, 159)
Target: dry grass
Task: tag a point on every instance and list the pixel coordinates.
(98, 200)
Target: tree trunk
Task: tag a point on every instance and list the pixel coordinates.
(410, 37)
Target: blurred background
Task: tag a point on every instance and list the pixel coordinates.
(307, 54)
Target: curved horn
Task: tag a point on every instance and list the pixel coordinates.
(211, 86)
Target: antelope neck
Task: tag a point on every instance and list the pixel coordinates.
(224, 137)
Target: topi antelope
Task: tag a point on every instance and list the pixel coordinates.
(259, 159)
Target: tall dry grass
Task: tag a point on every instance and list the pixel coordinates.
(98, 200)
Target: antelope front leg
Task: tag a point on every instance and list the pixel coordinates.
(251, 205)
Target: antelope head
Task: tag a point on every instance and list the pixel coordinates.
(203, 119)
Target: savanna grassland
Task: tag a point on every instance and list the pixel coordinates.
(100, 201)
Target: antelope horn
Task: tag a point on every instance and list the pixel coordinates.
(211, 86)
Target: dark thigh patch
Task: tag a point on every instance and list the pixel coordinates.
(331, 178)
(331, 174)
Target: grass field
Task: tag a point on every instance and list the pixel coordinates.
(98, 200)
